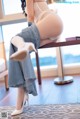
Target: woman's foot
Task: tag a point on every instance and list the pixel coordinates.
(19, 111)
(23, 51)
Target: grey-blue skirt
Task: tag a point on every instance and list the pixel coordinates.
(21, 73)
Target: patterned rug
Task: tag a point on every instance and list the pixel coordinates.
(67, 111)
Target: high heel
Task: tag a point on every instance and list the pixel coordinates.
(26, 98)
(23, 51)
(17, 112)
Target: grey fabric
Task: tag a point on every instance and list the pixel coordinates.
(21, 73)
(31, 34)
(29, 23)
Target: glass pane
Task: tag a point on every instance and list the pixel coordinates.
(71, 20)
(47, 57)
(1, 35)
(67, 1)
(12, 6)
(71, 55)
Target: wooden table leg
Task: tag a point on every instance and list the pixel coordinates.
(38, 68)
(6, 83)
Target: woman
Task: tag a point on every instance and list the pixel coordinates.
(46, 26)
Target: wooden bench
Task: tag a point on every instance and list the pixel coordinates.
(67, 42)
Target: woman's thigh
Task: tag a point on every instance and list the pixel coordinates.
(50, 26)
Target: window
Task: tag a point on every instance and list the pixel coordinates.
(1, 35)
(12, 6)
(47, 57)
(68, 1)
(71, 55)
(71, 20)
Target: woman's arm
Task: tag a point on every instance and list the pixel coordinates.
(30, 10)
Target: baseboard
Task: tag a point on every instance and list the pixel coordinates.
(52, 71)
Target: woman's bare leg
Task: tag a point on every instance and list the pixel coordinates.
(20, 98)
(20, 101)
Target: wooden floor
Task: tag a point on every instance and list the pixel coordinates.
(48, 93)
